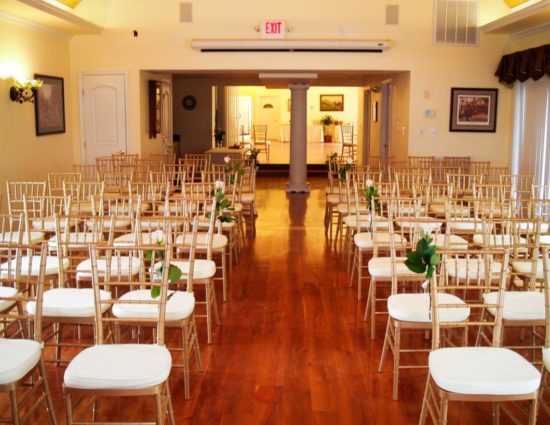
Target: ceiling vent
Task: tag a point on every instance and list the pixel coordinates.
(285, 45)
(186, 12)
(455, 22)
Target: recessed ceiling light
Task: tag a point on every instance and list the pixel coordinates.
(70, 3)
(514, 3)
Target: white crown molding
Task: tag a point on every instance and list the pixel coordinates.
(520, 17)
(12, 19)
(531, 31)
(69, 17)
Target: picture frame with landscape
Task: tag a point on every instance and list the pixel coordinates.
(473, 109)
(331, 103)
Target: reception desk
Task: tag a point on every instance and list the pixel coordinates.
(314, 133)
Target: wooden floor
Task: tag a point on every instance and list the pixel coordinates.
(292, 347)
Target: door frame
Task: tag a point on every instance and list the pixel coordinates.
(367, 113)
(385, 118)
(81, 77)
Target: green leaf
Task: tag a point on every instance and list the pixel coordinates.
(422, 246)
(174, 273)
(430, 272)
(155, 291)
(415, 267)
(434, 261)
(149, 255)
(414, 257)
(430, 250)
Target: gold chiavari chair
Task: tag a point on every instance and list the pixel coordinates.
(459, 372)
(409, 311)
(540, 191)
(439, 172)
(545, 380)
(463, 184)
(481, 168)
(495, 173)
(26, 195)
(21, 355)
(522, 308)
(439, 193)
(405, 181)
(117, 365)
(516, 186)
(89, 172)
(55, 182)
(180, 307)
(422, 162)
(81, 193)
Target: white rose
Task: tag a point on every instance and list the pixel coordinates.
(157, 237)
(425, 229)
(349, 161)
(227, 159)
(219, 185)
(369, 183)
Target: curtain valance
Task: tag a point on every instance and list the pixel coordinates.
(531, 63)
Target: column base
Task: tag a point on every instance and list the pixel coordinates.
(297, 187)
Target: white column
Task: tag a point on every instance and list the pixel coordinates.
(298, 138)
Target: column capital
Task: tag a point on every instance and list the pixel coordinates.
(299, 86)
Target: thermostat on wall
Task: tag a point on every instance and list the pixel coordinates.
(429, 113)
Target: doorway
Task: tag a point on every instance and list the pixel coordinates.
(103, 115)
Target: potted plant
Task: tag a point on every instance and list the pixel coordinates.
(327, 122)
(219, 134)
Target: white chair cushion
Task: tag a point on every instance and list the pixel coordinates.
(545, 239)
(365, 220)
(425, 226)
(47, 224)
(524, 267)
(416, 308)
(18, 356)
(470, 268)
(180, 306)
(331, 199)
(129, 239)
(119, 223)
(69, 302)
(203, 269)
(453, 242)
(530, 226)
(524, 305)
(204, 223)
(119, 366)
(218, 241)
(380, 267)
(52, 265)
(247, 198)
(13, 237)
(119, 266)
(364, 239)
(483, 371)
(76, 240)
(344, 209)
(497, 240)
(7, 292)
(546, 358)
(464, 225)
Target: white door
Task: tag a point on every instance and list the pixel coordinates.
(270, 116)
(103, 112)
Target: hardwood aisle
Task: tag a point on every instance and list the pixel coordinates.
(292, 347)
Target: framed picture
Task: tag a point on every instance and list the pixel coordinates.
(332, 103)
(49, 106)
(473, 110)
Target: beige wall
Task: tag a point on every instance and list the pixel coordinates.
(164, 44)
(23, 155)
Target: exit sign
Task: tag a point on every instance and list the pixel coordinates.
(273, 29)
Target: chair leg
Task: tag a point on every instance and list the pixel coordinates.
(353, 267)
(396, 360)
(159, 408)
(169, 407)
(387, 337)
(68, 408)
(186, 372)
(14, 404)
(46, 391)
(195, 344)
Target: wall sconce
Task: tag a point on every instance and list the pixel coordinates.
(24, 91)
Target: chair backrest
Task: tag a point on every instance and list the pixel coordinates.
(458, 296)
(259, 134)
(55, 182)
(18, 287)
(33, 192)
(348, 134)
(88, 172)
(154, 260)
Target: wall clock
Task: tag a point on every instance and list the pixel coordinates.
(189, 102)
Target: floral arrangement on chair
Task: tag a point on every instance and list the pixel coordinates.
(370, 192)
(344, 169)
(332, 161)
(253, 154)
(424, 259)
(174, 272)
(232, 167)
(223, 205)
